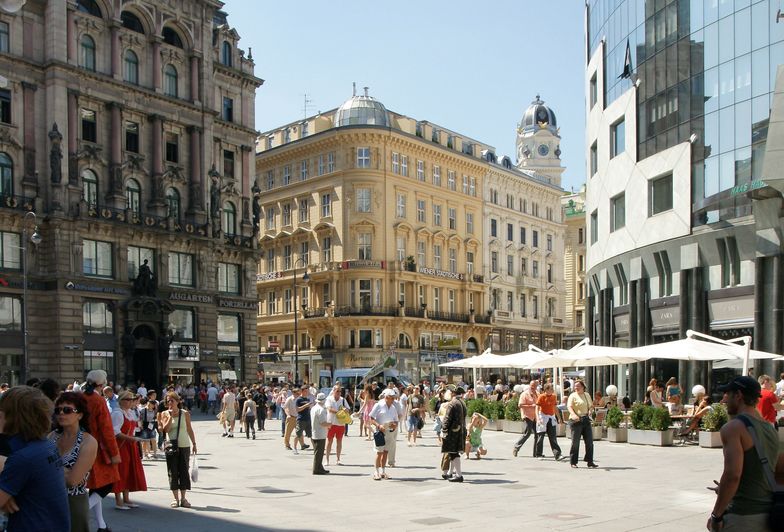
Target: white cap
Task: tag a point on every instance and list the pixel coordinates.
(389, 393)
(321, 398)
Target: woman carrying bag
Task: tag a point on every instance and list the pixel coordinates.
(579, 405)
(181, 442)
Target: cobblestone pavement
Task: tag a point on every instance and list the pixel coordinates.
(258, 485)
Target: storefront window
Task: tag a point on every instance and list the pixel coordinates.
(99, 360)
(182, 322)
(10, 314)
(228, 328)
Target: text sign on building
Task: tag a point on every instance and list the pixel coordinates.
(441, 273)
(731, 312)
(190, 298)
(359, 360)
(366, 264)
(184, 351)
(237, 304)
(622, 324)
(666, 318)
(268, 276)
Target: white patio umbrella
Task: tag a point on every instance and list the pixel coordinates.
(525, 359)
(483, 361)
(585, 355)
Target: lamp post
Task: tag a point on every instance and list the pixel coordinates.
(305, 278)
(35, 238)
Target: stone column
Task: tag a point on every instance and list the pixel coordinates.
(195, 68)
(55, 33)
(195, 189)
(157, 203)
(30, 174)
(71, 36)
(245, 159)
(115, 195)
(116, 50)
(156, 64)
(71, 136)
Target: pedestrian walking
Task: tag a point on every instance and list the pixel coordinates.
(320, 425)
(290, 413)
(334, 404)
(415, 414)
(579, 406)
(181, 442)
(453, 434)
(385, 417)
(546, 422)
(229, 411)
(130, 467)
(474, 440)
(148, 413)
(249, 413)
(527, 406)
(303, 428)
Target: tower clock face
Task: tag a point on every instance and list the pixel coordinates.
(543, 150)
(541, 115)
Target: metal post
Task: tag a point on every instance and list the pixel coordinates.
(295, 302)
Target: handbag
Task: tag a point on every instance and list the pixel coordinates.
(379, 439)
(344, 417)
(173, 446)
(776, 515)
(420, 423)
(195, 469)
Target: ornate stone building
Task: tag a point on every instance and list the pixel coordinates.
(573, 206)
(384, 213)
(524, 237)
(127, 128)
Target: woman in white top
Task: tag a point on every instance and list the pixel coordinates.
(580, 405)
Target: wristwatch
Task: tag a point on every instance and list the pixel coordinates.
(717, 518)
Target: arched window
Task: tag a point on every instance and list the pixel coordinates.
(226, 53)
(173, 204)
(89, 6)
(403, 341)
(133, 194)
(229, 218)
(132, 22)
(131, 67)
(6, 175)
(90, 192)
(170, 81)
(87, 53)
(171, 37)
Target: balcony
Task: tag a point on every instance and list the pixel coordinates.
(439, 315)
(347, 310)
(412, 312)
(20, 203)
(482, 318)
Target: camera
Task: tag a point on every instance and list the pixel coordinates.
(69, 285)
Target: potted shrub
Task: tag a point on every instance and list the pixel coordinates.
(495, 413)
(651, 426)
(597, 429)
(512, 419)
(615, 433)
(712, 421)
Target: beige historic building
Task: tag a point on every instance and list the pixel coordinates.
(127, 128)
(384, 213)
(524, 237)
(573, 208)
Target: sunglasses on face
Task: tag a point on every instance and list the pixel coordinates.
(65, 410)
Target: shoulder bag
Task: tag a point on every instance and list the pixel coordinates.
(173, 446)
(776, 515)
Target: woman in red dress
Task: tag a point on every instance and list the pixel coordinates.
(130, 468)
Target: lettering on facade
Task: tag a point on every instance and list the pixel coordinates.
(184, 351)
(355, 360)
(748, 187)
(238, 304)
(191, 298)
(622, 324)
(371, 264)
(665, 317)
(268, 276)
(740, 309)
(441, 273)
(96, 288)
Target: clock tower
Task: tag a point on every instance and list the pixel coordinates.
(538, 142)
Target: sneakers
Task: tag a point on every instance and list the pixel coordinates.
(295, 450)
(446, 476)
(456, 479)
(514, 452)
(304, 446)
(224, 434)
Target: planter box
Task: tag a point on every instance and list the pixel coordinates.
(661, 438)
(597, 433)
(618, 435)
(513, 426)
(495, 424)
(711, 440)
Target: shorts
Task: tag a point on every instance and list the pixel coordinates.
(413, 423)
(390, 442)
(230, 414)
(336, 431)
(303, 425)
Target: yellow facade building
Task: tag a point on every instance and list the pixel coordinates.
(573, 205)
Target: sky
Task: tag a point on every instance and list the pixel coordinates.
(472, 67)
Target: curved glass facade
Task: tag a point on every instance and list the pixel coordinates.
(705, 68)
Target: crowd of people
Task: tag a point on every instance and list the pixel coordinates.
(63, 451)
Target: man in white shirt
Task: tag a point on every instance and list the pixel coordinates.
(333, 403)
(290, 411)
(385, 416)
(780, 387)
(142, 390)
(319, 426)
(229, 408)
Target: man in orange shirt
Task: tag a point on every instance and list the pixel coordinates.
(546, 422)
(527, 406)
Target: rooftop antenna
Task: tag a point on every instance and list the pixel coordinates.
(306, 105)
(366, 91)
(353, 88)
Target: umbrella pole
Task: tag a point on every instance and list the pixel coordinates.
(747, 345)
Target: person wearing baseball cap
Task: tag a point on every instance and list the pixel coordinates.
(744, 496)
(385, 417)
(319, 426)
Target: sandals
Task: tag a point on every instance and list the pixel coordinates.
(376, 476)
(175, 503)
(185, 504)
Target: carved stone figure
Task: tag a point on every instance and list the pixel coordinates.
(55, 155)
(215, 195)
(144, 284)
(256, 214)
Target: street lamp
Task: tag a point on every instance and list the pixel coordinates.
(305, 278)
(36, 239)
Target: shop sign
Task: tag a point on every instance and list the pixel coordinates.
(621, 323)
(360, 360)
(228, 350)
(184, 351)
(190, 298)
(95, 288)
(273, 344)
(270, 276)
(366, 264)
(666, 317)
(228, 375)
(451, 357)
(238, 304)
(731, 312)
(747, 187)
(441, 273)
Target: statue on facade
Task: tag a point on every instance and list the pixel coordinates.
(144, 284)
(56, 155)
(215, 200)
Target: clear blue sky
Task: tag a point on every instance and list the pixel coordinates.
(469, 66)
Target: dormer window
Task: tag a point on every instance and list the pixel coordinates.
(226, 53)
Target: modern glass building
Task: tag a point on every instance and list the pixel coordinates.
(679, 96)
